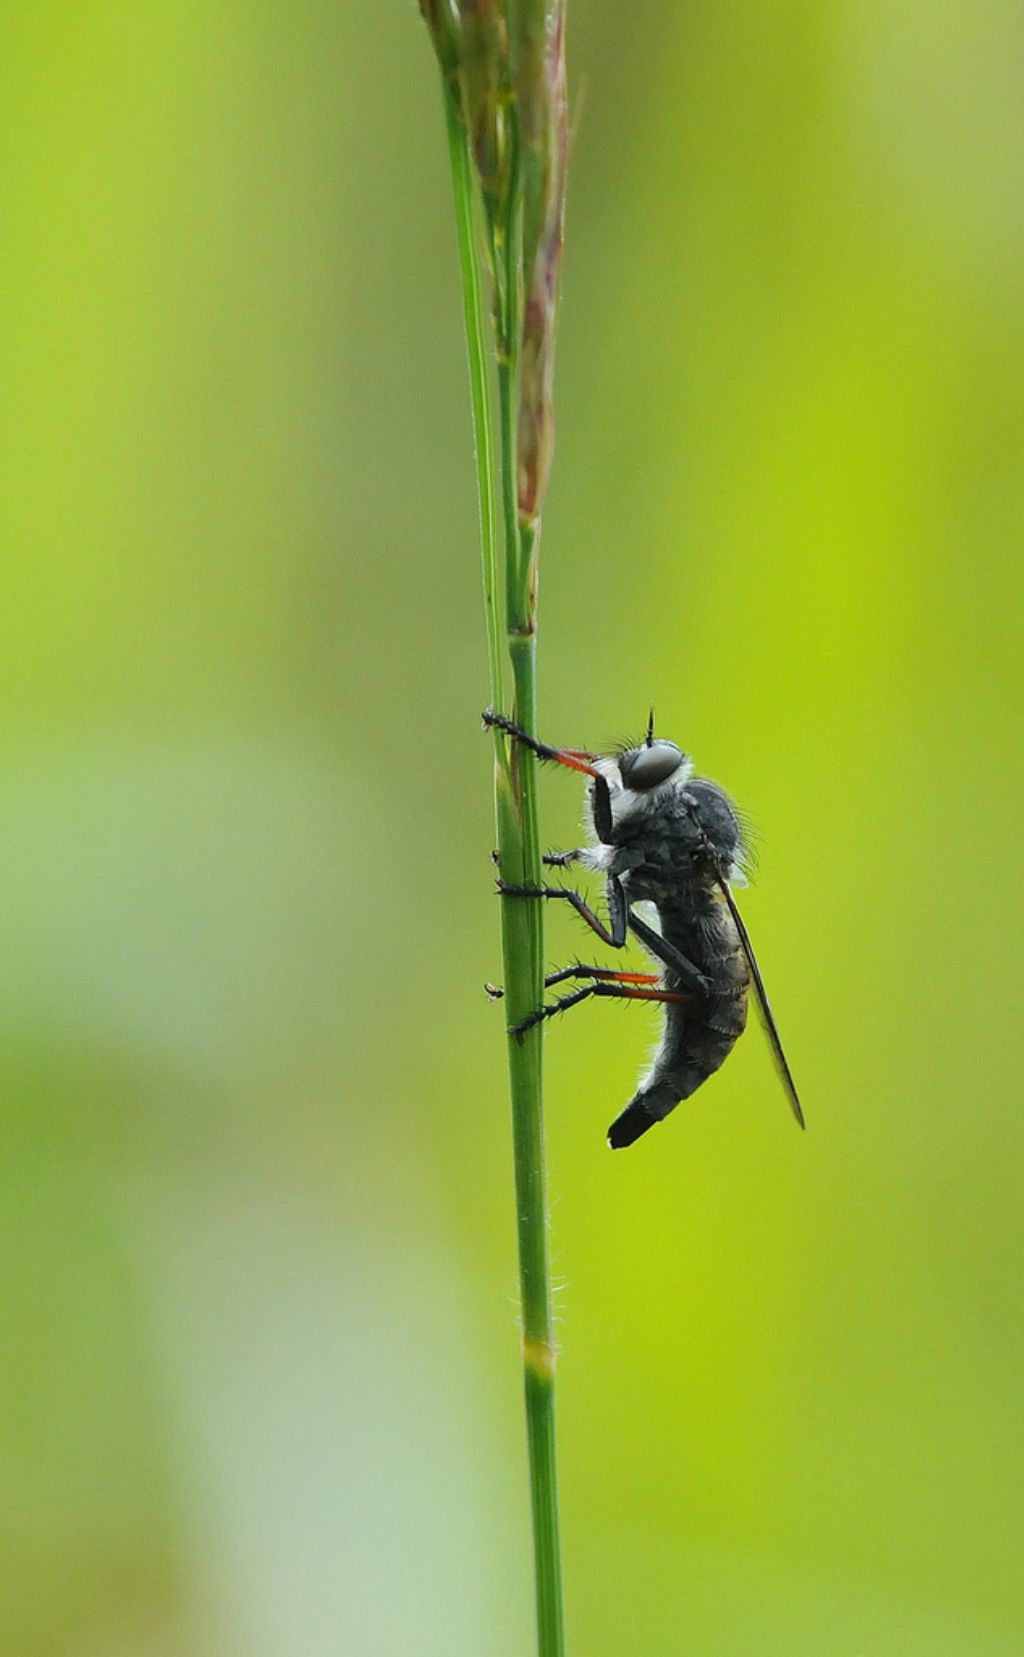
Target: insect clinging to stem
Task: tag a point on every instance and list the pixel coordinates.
(670, 839)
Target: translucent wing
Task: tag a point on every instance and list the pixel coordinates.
(767, 1016)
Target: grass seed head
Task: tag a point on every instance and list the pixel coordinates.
(486, 95)
(442, 20)
(507, 60)
(542, 103)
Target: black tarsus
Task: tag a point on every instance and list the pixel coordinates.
(554, 860)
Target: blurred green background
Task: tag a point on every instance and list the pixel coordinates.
(260, 1388)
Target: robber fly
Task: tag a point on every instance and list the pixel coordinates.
(667, 838)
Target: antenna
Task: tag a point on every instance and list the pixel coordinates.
(650, 730)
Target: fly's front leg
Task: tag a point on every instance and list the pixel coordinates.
(560, 860)
(613, 935)
(554, 860)
(575, 759)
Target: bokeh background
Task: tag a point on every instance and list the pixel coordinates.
(260, 1387)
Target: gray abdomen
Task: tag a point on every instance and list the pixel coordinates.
(700, 1033)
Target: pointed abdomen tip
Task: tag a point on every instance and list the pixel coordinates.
(627, 1128)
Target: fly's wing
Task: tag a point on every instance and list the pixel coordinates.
(768, 1017)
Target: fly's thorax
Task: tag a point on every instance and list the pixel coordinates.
(711, 808)
(663, 849)
(683, 828)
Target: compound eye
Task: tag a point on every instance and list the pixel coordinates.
(647, 767)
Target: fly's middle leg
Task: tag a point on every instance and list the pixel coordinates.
(614, 935)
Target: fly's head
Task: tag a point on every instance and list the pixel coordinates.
(642, 777)
(653, 762)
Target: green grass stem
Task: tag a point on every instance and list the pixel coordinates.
(518, 844)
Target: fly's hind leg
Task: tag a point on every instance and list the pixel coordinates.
(624, 986)
(664, 951)
(617, 991)
(608, 974)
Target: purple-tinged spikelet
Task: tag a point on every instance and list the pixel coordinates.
(539, 70)
(507, 60)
